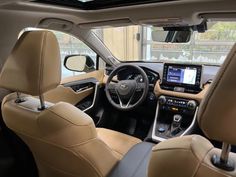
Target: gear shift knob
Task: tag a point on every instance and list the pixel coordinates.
(175, 126)
(177, 118)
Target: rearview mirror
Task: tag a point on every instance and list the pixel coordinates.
(171, 36)
(159, 36)
(79, 63)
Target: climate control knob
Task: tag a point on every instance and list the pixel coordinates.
(192, 105)
(162, 99)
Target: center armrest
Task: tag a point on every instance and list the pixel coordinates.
(135, 162)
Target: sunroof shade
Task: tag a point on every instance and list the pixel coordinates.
(98, 4)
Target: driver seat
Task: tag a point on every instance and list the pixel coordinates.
(63, 139)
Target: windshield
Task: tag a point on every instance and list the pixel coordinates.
(134, 43)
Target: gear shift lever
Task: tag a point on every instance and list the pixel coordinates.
(175, 126)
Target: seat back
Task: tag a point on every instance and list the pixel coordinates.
(187, 156)
(194, 155)
(63, 139)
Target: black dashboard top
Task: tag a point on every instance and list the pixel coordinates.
(131, 74)
(156, 71)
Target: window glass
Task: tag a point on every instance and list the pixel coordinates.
(69, 45)
(135, 43)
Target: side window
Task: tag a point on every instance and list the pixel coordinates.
(70, 45)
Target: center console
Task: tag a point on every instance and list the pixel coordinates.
(176, 116)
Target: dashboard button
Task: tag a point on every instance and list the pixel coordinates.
(161, 129)
(192, 105)
(179, 89)
(162, 99)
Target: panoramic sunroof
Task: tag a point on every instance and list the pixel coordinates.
(85, 0)
(98, 4)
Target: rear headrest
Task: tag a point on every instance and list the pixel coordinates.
(217, 113)
(33, 66)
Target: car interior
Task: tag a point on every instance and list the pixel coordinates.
(97, 88)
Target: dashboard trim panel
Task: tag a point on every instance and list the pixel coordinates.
(198, 97)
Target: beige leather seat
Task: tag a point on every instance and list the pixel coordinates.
(118, 142)
(63, 139)
(193, 156)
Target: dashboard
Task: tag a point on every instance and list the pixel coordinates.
(180, 80)
(208, 71)
(174, 95)
(153, 76)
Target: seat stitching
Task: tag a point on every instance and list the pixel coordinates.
(167, 149)
(132, 139)
(91, 123)
(93, 162)
(199, 161)
(62, 147)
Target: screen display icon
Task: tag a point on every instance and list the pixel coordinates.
(183, 75)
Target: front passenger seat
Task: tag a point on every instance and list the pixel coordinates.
(194, 155)
(63, 139)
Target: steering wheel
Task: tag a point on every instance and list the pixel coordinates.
(127, 94)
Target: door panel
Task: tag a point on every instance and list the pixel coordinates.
(98, 74)
(77, 89)
(67, 94)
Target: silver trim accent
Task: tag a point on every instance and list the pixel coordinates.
(154, 137)
(120, 101)
(42, 103)
(188, 130)
(224, 156)
(160, 139)
(94, 97)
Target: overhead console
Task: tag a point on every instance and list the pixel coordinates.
(182, 78)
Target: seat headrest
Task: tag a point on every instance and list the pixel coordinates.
(217, 113)
(33, 66)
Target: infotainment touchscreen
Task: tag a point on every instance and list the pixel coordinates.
(182, 75)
